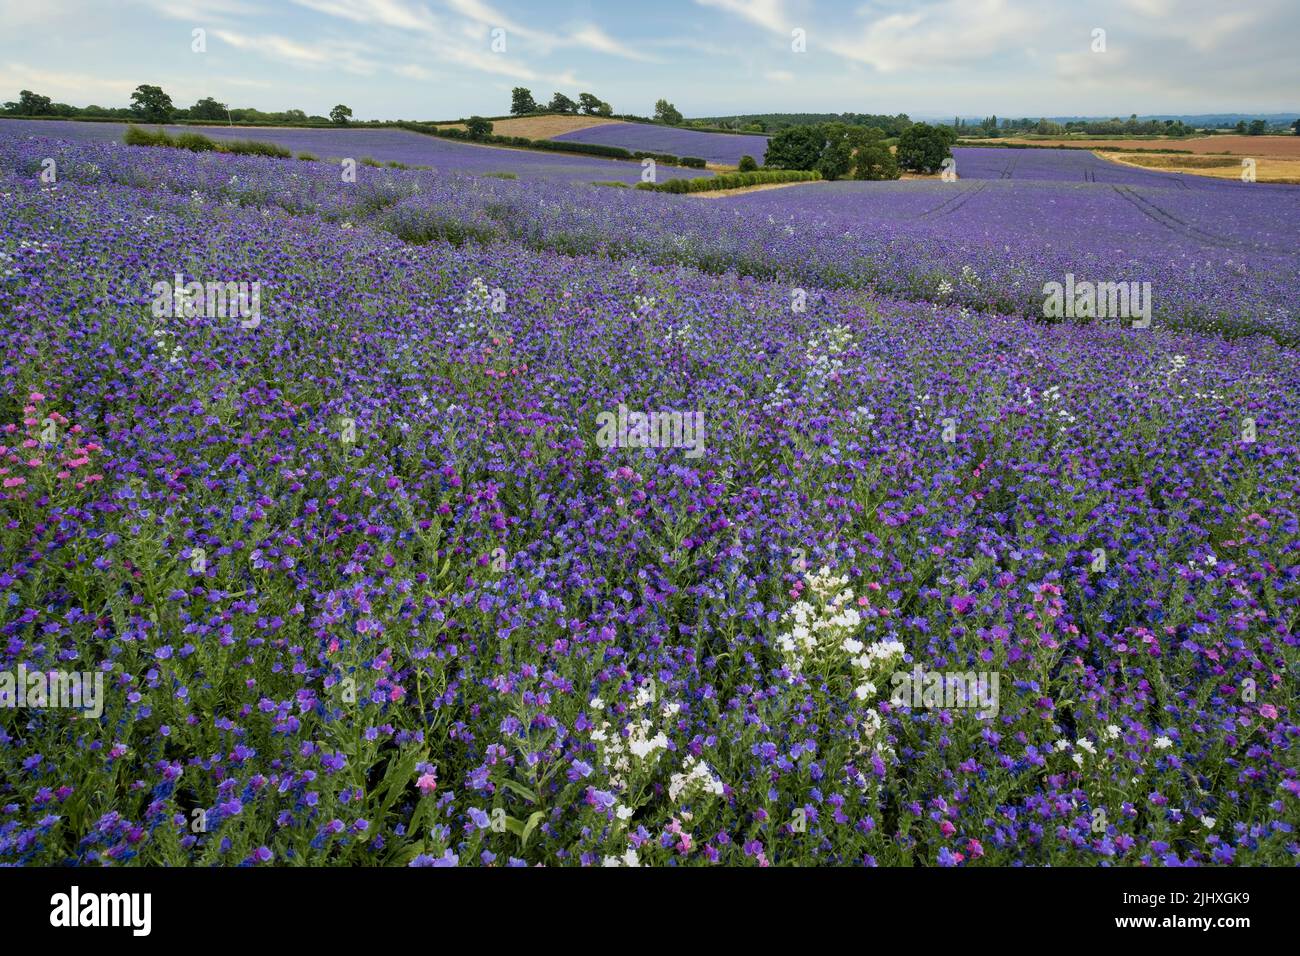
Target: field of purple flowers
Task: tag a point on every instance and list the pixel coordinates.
(384, 146)
(365, 586)
(723, 148)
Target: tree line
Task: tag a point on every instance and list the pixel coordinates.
(151, 104)
(845, 151)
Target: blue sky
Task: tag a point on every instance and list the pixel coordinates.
(434, 59)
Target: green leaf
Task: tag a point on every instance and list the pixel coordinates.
(520, 789)
(533, 820)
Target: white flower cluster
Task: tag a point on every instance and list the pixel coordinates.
(696, 780)
(824, 351)
(642, 743)
(644, 303)
(821, 631)
(627, 859)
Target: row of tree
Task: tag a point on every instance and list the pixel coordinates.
(775, 122)
(522, 104)
(151, 104)
(992, 127)
(846, 151)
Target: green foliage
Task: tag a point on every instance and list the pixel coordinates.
(33, 104)
(151, 104)
(478, 128)
(522, 102)
(562, 104)
(748, 164)
(733, 181)
(194, 142)
(208, 109)
(693, 162)
(798, 147)
(197, 143)
(835, 150)
(340, 115)
(593, 105)
(665, 112)
(873, 159)
(923, 148)
(775, 122)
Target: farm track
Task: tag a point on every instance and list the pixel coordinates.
(1171, 222)
(953, 202)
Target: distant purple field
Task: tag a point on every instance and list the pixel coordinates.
(385, 145)
(725, 148)
(1061, 165)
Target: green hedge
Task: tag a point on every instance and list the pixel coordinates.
(198, 143)
(733, 181)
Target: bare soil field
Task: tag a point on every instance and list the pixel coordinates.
(540, 127)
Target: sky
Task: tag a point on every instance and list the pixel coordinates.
(445, 59)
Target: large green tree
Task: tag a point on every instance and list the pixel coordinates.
(33, 104)
(796, 147)
(665, 112)
(151, 104)
(562, 104)
(522, 102)
(208, 109)
(922, 148)
(340, 115)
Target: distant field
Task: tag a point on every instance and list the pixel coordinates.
(722, 149)
(384, 145)
(1280, 147)
(540, 127)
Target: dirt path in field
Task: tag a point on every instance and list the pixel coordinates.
(720, 193)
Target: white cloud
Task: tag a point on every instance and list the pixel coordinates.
(348, 57)
(768, 14)
(941, 35)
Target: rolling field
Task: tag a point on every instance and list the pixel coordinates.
(385, 145)
(724, 149)
(376, 574)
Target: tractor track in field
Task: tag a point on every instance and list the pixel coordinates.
(1171, 222)
(952, 203)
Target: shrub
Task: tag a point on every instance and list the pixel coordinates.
(733, 181)
(478, 127)
(748, 164)
(694, 162)
(194, 142)
(253, 147)
(139, 136)
(307, 157)
(502, 175)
